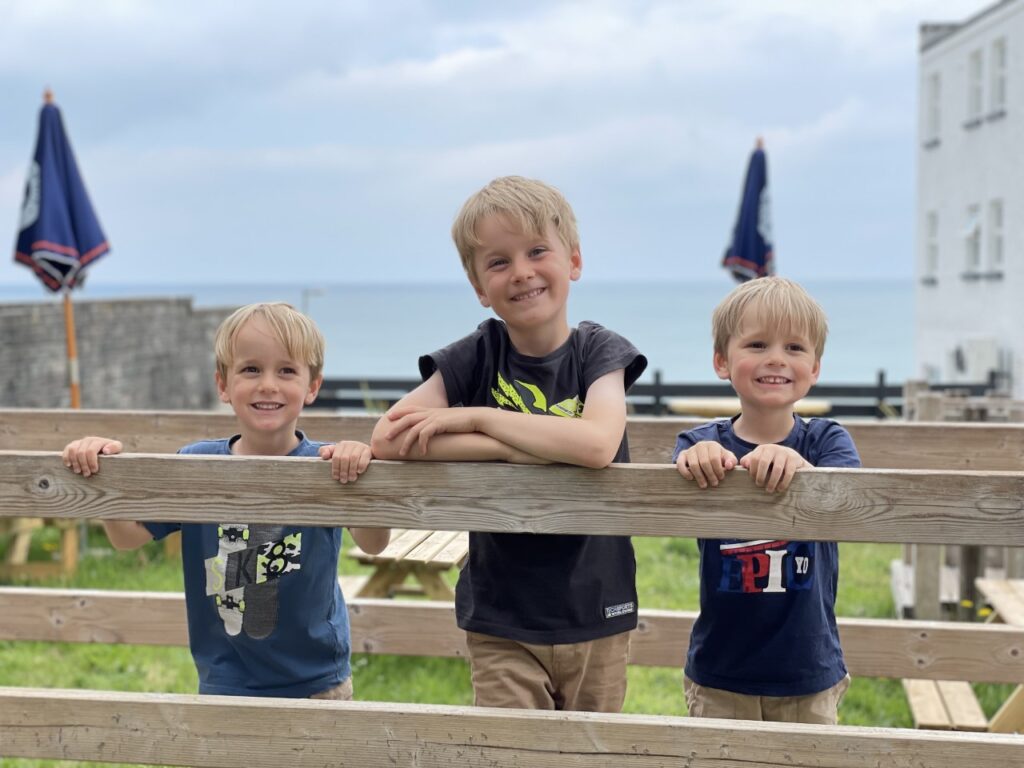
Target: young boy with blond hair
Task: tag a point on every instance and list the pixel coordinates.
(547, 617)
(266, 616)
(765, 645)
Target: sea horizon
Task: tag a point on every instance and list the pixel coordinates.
(376, 330)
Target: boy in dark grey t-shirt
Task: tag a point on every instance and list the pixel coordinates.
(547, 617)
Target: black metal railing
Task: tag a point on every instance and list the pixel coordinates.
(878, 400)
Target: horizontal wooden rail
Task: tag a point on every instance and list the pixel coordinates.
(888, 444)
(919, 506)
(225, 732)
(873, 647)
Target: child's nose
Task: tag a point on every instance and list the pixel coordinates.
(522, 269)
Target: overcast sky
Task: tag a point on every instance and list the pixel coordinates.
(334, 141)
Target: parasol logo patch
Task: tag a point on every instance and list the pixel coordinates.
(33, 187)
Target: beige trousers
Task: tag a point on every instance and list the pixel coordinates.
(588, 677)
(821, 708)
(340, 692)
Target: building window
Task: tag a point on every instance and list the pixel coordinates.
(974, 88)
(972, 242)
(997, 90)
(994, 251)
(933, 117)
(931, 249)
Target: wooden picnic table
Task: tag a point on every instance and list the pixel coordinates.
(950, 705)
(1006, 596)
(424, 555)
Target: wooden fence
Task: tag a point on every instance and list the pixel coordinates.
(882, 444)
(896, 505)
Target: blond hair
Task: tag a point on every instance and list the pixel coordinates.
(778, 303)
(294, 330)
(527, 203)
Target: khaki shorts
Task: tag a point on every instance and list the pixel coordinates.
(340, 692)
(821, 708)
(587, 677)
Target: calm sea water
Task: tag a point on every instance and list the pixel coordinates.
(380, 330)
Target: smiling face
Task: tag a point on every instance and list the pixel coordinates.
(525, 279)
(771, 366)
(265, 386)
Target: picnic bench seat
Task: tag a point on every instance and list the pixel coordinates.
(1006, 596)
(944, 705)
(19, 532)
(951, 705)
(424, 555)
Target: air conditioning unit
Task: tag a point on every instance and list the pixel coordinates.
(972, 360)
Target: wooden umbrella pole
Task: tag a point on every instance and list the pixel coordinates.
(69, 332)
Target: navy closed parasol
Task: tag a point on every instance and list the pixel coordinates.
(750, 253)
(59, 234)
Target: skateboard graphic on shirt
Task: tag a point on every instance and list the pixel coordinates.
(242, 577)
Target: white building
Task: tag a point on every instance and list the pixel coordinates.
(970, 198)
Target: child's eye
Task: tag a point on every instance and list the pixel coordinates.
(796, 347)
(540, 250)
(497, 263)
(288, 371)
(249, 369)
(756, 345)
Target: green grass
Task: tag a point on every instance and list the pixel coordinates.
(667, 578)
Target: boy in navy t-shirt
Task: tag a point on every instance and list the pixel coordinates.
(765, 645)
(266, 616)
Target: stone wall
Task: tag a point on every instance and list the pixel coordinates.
(133, 354)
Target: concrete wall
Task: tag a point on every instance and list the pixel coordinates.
(133, 353)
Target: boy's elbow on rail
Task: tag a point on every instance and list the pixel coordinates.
(597, 456)
(382, 448)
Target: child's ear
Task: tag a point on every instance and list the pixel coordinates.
(815, 371)
(314, 389)
(222, 388)
(575, 265)
(721, 364)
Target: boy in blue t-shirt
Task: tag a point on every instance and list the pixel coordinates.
(266, 616)
(765, 645)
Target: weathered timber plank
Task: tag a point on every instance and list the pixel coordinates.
(1006, 597)
(1010, 717)
(964, 710)
(921, 506)
(890, 444)
(254, 733)
(926, 705)
(873, 647)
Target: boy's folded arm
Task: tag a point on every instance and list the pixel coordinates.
(464, 446)
(589, 441)
(371, 540)
(126, 534)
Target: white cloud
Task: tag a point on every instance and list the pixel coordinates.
(587, 42)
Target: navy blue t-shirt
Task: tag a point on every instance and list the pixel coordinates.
(767, 624)
(266, 616)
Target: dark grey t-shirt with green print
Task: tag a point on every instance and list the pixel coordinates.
(543, 589)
